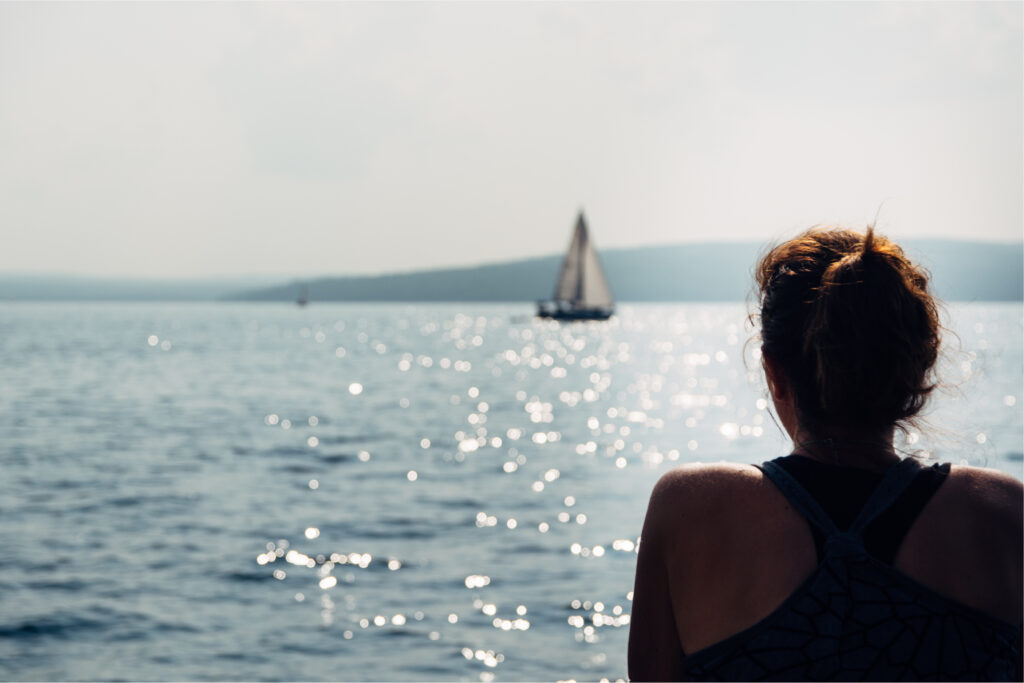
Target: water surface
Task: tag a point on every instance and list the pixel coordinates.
(376, 492)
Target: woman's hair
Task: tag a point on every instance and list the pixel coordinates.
(851, 322)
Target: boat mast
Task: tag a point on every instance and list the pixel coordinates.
(581, 254)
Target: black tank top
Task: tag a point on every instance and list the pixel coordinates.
(856, 617)
(842, 492)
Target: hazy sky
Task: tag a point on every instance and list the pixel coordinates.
(186, 139)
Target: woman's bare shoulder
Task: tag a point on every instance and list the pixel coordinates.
(972, 527)
(986, 495)
(978, 508)
(699, 480)
(697, 489)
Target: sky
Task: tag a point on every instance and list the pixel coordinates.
(309, 139)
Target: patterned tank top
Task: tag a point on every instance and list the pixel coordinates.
(857, 618)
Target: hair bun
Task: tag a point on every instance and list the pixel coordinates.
(850, 319)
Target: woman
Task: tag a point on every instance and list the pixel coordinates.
(840, 561)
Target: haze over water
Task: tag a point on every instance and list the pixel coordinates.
(286, 139)
(376, 492)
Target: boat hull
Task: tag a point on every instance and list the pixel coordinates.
(552, 310)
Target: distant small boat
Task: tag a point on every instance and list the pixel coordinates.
(303, 296)
(581, 292)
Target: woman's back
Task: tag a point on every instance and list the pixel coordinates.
(850, 335)
(727, 568)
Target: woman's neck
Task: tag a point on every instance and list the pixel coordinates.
(865, 450)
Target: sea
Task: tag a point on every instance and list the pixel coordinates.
(232, 491)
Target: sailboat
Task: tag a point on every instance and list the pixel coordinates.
(581, 292)
(303, 296)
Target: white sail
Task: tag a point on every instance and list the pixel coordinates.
(582, 281)
(594, 286)
(568, 285)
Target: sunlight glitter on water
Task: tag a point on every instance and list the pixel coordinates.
(685, 399)
(559, 353)
(566, 428)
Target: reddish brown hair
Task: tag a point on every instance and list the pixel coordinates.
(851, 322)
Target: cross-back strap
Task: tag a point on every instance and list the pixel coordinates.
(799, 497)
(892, 486)
(896, 480)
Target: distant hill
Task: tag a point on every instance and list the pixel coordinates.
(963, 271)
(80, 288)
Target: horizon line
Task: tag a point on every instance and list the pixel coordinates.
(186, 279)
